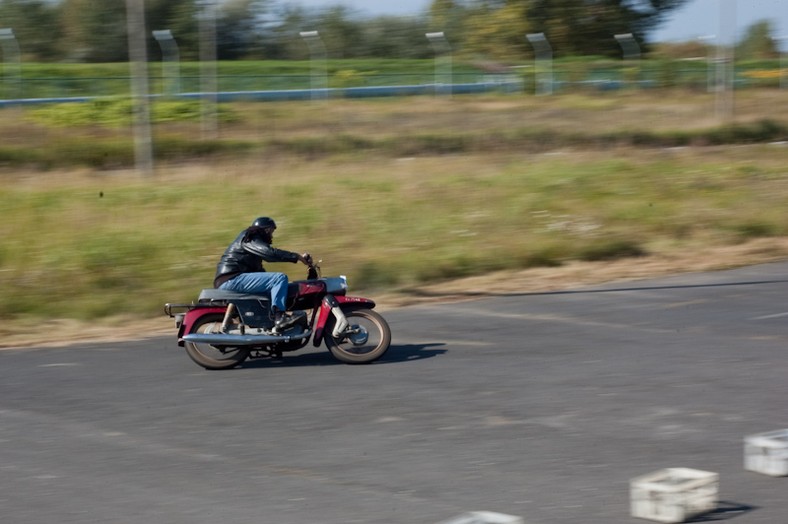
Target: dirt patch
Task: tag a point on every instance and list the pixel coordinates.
(61, 332)
(578, 274)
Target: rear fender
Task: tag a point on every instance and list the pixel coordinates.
(343, 304)
(192, 317)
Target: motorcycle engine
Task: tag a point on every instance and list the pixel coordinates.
(254, 313)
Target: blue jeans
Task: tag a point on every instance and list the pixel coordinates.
(259, 284)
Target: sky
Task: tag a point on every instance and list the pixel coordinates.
(696, 19)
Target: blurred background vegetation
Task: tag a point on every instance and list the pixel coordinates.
(625, 160)
(80, 31)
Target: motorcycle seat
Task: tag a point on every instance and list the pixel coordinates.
(209, 295)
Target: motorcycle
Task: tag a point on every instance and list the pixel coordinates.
(224, 328)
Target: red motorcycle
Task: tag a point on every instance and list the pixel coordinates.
(224, 328)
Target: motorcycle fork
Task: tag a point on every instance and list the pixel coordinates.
(330, 305)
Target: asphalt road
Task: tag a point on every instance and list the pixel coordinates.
(538, 405)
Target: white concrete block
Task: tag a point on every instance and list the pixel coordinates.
(674, 494)
(767, 453)
(484, 517)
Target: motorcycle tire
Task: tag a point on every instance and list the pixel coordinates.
(368, 338)
(213, 357)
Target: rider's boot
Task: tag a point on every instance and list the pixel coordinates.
(284, 320)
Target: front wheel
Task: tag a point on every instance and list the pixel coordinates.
(365, 340)
(214, 357)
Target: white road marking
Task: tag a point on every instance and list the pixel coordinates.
(767, 317)
(542, 317)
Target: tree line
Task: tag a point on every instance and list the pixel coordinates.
(96, 31)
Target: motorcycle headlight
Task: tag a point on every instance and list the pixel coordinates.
(336, 284)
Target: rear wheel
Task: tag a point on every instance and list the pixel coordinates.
(365, 340)
(214, 357)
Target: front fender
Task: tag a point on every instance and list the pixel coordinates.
(344, 303)
(192, 316)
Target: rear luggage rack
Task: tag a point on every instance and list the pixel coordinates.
(172, 310)
(211, 298)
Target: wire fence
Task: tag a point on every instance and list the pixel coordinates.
(698, 75)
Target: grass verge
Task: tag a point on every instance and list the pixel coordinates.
(86, 243)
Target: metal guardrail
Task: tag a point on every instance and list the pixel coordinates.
(359, 85)
(303, 94)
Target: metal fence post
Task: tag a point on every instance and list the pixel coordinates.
(170, 62)
(630, 51)
(317, 57)
(443, 60)
(208, 68)
(543, 55)
(11, 55)
(138, 60)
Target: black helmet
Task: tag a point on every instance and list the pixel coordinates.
(265, 222)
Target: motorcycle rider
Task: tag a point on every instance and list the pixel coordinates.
(241, 268)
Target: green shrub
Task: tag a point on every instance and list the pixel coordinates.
(611, 250)
(117, 112)
(756, 229)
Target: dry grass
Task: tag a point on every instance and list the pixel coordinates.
(590, 113)
(111, 246)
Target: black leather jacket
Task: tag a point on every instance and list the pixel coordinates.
(247, 257)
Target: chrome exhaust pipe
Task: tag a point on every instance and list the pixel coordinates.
(221, 339)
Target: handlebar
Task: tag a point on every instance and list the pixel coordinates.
(314, 269)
